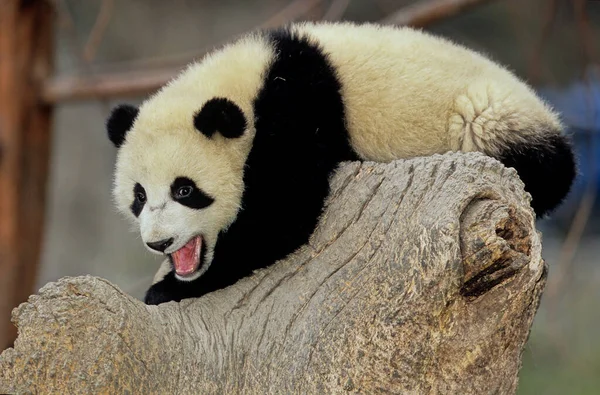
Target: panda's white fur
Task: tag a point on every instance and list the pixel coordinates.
(164, 269)
(408, 93)
(405, 93)
(150, 156)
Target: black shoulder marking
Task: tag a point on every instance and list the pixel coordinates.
(220, 115)
(300, 139)
(119, 122)
(139, 199)
(193, 197)
(547, 167)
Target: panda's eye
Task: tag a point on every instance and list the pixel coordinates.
(140, 197)
(183, 192)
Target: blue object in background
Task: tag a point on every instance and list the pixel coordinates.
(579, 105)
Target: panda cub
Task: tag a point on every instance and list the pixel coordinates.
(226, 168)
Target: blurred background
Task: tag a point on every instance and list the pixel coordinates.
(107, 52)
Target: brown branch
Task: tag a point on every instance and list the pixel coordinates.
(386, 6)
(72, 37)
(97, 33)
(535, 64)
(427, 12)
(336, 10)
(140, 82)
(162, 62)
(290, 12)
(586, 33)
(98, 86)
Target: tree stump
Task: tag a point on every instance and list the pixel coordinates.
(423, 276)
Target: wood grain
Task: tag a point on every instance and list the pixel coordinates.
(382, 299)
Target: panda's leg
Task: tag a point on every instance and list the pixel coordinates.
(166, 287)
(524, 135)
(547, 168)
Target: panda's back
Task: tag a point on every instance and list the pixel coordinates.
(408, 93)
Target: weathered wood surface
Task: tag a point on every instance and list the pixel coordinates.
(422, 277)
(26, 38)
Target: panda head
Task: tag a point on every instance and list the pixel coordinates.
(179, 173)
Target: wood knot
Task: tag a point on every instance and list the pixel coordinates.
(515, 231)
(495, 244)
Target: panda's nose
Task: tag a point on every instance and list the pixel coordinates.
(160, 245)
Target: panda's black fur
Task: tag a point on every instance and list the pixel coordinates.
(547, 168)
(301, 137)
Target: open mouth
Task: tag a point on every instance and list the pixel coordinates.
(187, 259)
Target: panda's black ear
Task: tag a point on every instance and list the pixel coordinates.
(119, 122)
(220, 115)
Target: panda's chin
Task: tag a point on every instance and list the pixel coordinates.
(190, 277)
(187, 260)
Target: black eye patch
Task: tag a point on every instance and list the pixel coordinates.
(185, 191)
(220, 115)
(139, 199)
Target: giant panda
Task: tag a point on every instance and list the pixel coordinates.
(226, 168)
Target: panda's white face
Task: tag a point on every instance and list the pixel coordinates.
(187, 147)
(181, 187)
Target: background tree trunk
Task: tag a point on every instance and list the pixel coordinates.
(423, 277)
(26, 48)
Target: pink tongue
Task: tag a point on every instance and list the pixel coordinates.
(187, 259)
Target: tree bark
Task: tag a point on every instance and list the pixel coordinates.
(423, 276)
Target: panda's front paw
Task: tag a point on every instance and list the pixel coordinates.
(158, 294)
(170, 289)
